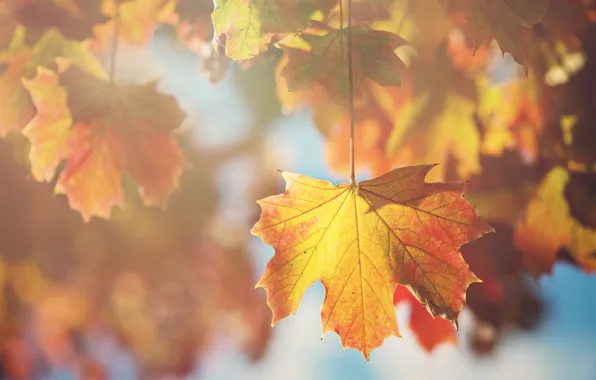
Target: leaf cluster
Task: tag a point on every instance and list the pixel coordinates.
(501, 93)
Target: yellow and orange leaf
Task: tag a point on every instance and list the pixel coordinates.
(429, 331)
(361, 241)
(548, 226)
(102, 131)
(16, 108)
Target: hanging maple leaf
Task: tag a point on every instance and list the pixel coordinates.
(548, 227)
(102, 130)
(16, 108)
(322, 59)
(509, 22)
(360, 241)
(429, 331)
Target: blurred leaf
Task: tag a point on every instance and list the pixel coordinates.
(548, 226)
(323, 62)
(509, 22)
(101, 131)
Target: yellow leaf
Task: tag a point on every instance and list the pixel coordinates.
(361, 241)
(451, 131)
(548, 226)
(240, 21)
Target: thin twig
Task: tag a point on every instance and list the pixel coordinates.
(115, 43)
(341, 40)
(351, 92)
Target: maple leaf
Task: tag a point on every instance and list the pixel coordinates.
(361, 241)
(240, 21)
(429, 331)
(509, 22)
(322, 59)
(102, 130)
(16, 108)
(548, 227)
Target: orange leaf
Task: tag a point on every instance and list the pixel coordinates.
(361, 241)
(16, 108)
(102, 130)
(429, 331)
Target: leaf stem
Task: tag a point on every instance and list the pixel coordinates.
(341, 40)
(351, 94)
(114, 48)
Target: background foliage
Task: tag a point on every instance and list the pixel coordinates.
(147, 250)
